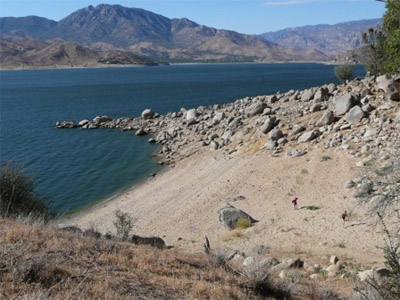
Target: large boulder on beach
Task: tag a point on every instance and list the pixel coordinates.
(148, 114)
(229, 216)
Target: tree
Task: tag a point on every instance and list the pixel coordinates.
(372, 52)
(381, 51)
(17, 195)
(344, 72)
(391, 44)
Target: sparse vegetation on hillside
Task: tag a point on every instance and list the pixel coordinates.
(17, 194)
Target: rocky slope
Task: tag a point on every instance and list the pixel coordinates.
(152, 35)
(331, 40)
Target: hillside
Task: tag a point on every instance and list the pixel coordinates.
(20, 51)
(331, 40)
(152, 35)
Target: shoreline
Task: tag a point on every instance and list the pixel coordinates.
(159, 65)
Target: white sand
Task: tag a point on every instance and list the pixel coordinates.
(183, 202)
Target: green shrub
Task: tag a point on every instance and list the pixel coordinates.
(243, 223)
(344, 72)
(124, 224)
(17, 195)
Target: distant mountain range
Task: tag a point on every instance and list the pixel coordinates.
(331, 40)
(118, 34)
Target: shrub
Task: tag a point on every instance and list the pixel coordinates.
(17, 195)
(124, 224)
(344, 72)
(243, 223)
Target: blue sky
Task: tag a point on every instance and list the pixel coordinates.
(245, 16)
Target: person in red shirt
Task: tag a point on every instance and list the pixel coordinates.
(294, 201)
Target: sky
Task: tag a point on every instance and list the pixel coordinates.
(244, 16)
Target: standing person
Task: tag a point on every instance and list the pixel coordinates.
(294, 201)
(344, 217)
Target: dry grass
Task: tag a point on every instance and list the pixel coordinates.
(37, 262)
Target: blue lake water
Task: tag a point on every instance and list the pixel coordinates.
(75, 168)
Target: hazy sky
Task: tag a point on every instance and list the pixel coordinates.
(245, 16)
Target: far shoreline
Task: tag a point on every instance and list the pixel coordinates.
(162, 65)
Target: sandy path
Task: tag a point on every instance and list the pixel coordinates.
(183, 202)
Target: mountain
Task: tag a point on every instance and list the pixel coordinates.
(114, 27)
(331, 40)
(20, 51)
(31, 25)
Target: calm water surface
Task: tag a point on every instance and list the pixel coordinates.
(75, 168)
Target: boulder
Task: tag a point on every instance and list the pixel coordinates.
(297, 129)
(364, 275)
(190, 115)
(354, 115)
(389, 87)
(255, 109)
(229, 216)
(148, 114)
(327, 118)
(275, 134)
(82, 123)
(268, 125)
(218, 117)
(343, 104)
(140, 132)
(322, 94)
(308, 136)
(334, 259)
(308, 94)
(153, 241)
(101, 119)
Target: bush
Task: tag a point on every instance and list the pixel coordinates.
(344, 72)
(17, 195)
(124, 224)
(243, 223)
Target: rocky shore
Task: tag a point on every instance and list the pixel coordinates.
(360, 118)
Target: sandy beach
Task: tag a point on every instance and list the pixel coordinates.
(181, 205)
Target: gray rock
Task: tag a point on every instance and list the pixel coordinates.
(83, 123)
(343, 104)
(334, 259)
(309, 136)
(140, 132)
(229, 216)
(308, 94)
(275, 134)
(316, 107)
(255, 109)
(322, 94)
(148, 114)
(364, 275)
(268, 125)
(297, 129)
(389, 87)
(218, 117)
(190, 115)
(327, 118)
(354, 115)
(270, 144)
(102, 119)
(214, 145)
(153, 241)
(295, 152)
